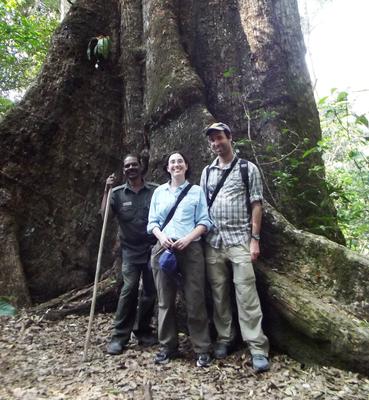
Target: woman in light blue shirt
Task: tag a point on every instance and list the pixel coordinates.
(182, 236)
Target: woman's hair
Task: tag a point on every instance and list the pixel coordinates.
(166, 162)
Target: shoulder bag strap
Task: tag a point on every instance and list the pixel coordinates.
(173, 210)
(221, 183)
(245, 177)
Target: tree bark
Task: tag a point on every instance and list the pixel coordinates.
(64, 8)
(56, 151)
(174, 67)
(12, 280)
(315, 295)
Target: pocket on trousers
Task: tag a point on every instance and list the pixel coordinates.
(245, 275)
(242, 267)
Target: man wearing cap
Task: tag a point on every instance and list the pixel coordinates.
(234, 239)
(130, 204)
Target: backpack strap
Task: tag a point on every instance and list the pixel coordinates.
(173, 209)
(220, 183)
(206, 183)
(244, 168)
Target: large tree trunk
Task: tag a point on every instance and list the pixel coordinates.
(315, 295)
(64, 8)
(57, 146)
(174, 67)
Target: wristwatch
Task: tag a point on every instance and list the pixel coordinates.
(256, 237)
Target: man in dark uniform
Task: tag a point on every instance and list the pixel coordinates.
(130, 204)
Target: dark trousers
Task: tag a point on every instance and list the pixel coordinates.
(127, 318)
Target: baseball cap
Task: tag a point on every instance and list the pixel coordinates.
(217, 126)
(168, 261)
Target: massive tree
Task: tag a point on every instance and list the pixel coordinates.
(174, 67)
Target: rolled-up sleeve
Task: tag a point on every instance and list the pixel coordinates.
(153, 220)
(256, 185)
(202, 214)
(203, 179)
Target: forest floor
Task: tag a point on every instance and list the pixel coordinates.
(43, 360)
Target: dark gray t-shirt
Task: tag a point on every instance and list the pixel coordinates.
(131, 210)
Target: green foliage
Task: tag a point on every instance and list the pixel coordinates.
(5, 105)
(345, 149)
(25, 31)
(345, 146)
(6, 308)
(229, 72)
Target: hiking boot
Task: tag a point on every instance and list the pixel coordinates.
(164, 356)
(204, 360)
(220, 350)
(260, 363)
(115, 346)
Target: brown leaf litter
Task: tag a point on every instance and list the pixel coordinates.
(43, 360)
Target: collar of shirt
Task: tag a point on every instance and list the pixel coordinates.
(215, 163)
(178, 189)
(127, 186)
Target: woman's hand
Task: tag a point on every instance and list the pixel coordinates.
(165, 242)
(182, 243)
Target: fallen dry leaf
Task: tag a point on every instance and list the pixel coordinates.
(43, 360)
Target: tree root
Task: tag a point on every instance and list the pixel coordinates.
(78, 301)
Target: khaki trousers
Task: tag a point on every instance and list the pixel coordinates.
(247, 298)
(191, 265)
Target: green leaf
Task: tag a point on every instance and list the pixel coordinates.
(316, 168)
(323, 100)
(362, 120)
(228, 73)
(309, 151)
(354, 154)
(6, 308)
(5, 105)
(342, 96)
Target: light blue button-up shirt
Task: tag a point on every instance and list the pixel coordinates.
(191, 211)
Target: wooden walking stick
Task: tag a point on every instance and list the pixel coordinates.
(98, 264)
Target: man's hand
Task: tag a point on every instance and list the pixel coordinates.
(110, 181)
(108, 184)
(254, 249)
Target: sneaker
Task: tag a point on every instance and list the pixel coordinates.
(115, 346)
(204, 360)
(260, 363)
(220, 350)
(164, 356)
